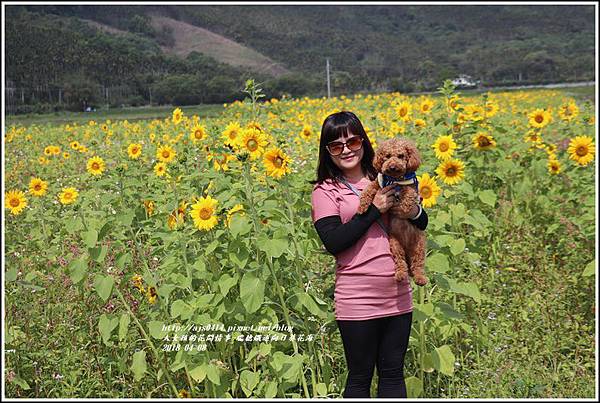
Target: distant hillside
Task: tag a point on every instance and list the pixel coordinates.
(370, 48)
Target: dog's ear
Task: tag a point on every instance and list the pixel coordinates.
(377, 160)
(413, 158)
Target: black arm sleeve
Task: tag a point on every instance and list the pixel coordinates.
(337, 237)
(422, 221)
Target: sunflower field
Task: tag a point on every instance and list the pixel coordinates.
(176, 257)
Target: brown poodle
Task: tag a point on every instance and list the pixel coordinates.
(395, 158)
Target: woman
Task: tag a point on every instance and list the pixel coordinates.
(373, 310)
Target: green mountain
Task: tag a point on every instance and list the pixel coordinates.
(190, 54)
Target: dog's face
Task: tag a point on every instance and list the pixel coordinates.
(396, 157)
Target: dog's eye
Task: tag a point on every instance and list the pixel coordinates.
(388, 155)
(400, 155)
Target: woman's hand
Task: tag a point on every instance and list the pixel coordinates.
(384, 198)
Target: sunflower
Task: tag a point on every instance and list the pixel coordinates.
(66, 155)
(43, 160)
(238, 208)
(426, 105)
(491, 108)
(306, 133)
(15, 201)
(149, 206)
(581, 150)
(68, 195)
(48, 151)
(74, 145)
(452, 103)
(420, 123)
(444, 147)
(533, 136)
(231, 134)
(483, 141)
(404, 110)
(37, 187)
(165, 153)
(539, 118)
(474, 112)
(177, 217)
(428, 190)
(203, 213)
(553, 166)
(198, 133)
(220, 160)
(451, 171)
(254, 125)
(183, 394)
(95, 165)
(151, 295)
(253, 141)
(568, 111)
(177, 116)
(276, 163)
(160, 168)
(138, 283)
(134, 150)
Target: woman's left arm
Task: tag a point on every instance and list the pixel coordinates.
(421, 220)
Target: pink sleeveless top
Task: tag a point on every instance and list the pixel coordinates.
(365, 287)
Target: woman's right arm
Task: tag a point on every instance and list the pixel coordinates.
(337, 237)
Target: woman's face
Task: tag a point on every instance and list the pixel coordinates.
(348, 159)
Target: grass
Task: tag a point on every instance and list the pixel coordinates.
(130, 113)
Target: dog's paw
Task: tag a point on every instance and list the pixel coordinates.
(420, 280)
(400, 276)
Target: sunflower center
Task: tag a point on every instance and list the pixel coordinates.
(444, 147)
(134, 150)
(484, 142)
(278, 162)
(95, 166)
(198, 134)
(14, 202)
(37, 187)
(403, 111)
(539, 118)
(68, 196)
(450, 171)
(205, 213)
(425, 107)
(426, 192)
(166, 154)
(581, 151)
(252, 145)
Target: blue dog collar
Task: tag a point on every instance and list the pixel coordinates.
(410, 178)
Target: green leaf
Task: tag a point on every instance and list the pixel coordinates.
(212, 372)
(457, 246)
(449, 312)
(155, 329)
(126, 217)
(226, 282)
(106, 326)
(311, 305)
(123, 326)
(414, 387)
(443, 360)
(589, 269)
(252, 292)
(99, 253)
(470, 289)
(248, 381)
(437, 262)
(90, 238)
(271, 389)
(488, 197)
(138, 366)
(273, 247)
(122, 260)
(199, 373)
(103, 286)
(77, 270)
(104, 230)
(179, 307)
(239, 225)
(321, 389)
(21, 382)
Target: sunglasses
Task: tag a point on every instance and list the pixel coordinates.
(353, 144)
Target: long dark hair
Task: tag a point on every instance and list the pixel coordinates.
(335, 126)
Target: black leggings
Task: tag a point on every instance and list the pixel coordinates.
(381, 341)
